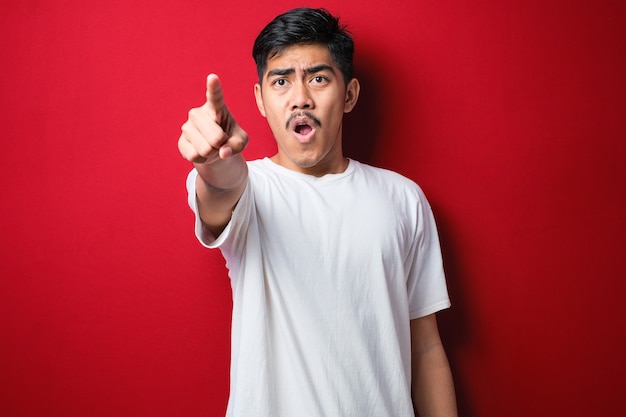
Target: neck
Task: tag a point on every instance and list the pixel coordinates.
(320, 169)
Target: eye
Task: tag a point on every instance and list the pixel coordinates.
(319, 79)
(279, 82)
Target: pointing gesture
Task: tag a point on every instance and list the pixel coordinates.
(211, 132)
(213, 141)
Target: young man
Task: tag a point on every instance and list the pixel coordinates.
(335, 265)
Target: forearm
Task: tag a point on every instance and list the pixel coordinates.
(432, 387)
(219, 186)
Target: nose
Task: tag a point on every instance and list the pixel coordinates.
(301, 97)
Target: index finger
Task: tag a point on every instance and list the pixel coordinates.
(215, 96)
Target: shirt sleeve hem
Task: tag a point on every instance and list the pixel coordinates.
(433, 308)
(204, 236)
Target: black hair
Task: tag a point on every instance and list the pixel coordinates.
(305, 26)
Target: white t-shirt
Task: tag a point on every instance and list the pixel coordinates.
(326, 274)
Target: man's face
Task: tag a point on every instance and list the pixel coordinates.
(304, 97)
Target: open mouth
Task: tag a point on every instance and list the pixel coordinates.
(303, 124)
(303, 129)
(300, 121)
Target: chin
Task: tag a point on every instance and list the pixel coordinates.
(304, 159)
(306, 163)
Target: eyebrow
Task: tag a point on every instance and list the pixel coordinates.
(311, 70)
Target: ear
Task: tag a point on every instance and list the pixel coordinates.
(258, 95)
(352, 95)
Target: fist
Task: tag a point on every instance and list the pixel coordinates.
(211, 132)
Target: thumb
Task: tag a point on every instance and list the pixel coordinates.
(234, 144)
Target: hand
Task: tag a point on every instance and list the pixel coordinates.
(211, 132)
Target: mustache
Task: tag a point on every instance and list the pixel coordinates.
(305, 113)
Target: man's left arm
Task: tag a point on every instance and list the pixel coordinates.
(432, 386)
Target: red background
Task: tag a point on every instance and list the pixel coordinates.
(510, 114)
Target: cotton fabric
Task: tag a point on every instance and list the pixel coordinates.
(326, 275)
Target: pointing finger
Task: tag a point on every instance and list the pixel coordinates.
(215, 97)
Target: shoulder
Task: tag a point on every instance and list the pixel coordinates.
(387, 179)
(373, 171)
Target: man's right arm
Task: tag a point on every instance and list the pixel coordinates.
(212, 140)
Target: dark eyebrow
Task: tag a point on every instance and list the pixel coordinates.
(319, 68)
(279, 72)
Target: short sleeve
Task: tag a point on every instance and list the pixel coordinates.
(426, 285)
(238, 221)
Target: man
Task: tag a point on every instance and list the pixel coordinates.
(335, 265)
